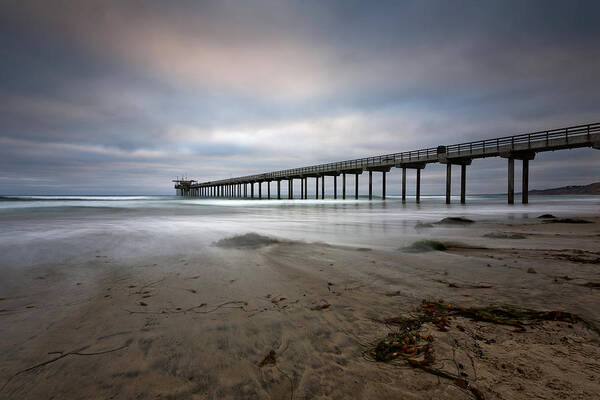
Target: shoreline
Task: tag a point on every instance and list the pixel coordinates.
(200, 325)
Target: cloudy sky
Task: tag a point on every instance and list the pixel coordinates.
(119, 97)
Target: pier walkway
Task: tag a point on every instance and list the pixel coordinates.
(518, 147)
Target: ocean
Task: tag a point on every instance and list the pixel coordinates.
(36, 230)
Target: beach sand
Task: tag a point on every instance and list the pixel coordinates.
(280, 319)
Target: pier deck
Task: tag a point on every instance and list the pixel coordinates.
(517, 147)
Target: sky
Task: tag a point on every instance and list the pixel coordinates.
(120, 97)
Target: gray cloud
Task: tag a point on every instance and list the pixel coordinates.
(117, 97)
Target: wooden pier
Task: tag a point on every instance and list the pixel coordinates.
(518, 147)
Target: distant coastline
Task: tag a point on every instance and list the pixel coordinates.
(591, 189)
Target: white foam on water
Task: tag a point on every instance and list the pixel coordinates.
(59, 229)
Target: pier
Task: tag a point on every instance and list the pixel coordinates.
(522, 147)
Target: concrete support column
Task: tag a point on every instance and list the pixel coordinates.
(418, 194)
(306, 188)
(525, 185)
(323, 187)
(279, 190)
(269, 190)
(245, 190)
(511, 180)
(344, 186)
(317, 187)
(356, 186)
(404, 185)
(260, 190)
(335, 187)
(463, 183)
(383, 185)
(448, 181)
(251, 190)
(370, 185)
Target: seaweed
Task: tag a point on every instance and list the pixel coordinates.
(270, 359)
(407, 342)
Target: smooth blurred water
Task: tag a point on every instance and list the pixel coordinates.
(58, 229)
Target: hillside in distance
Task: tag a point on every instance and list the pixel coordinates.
(592, 188)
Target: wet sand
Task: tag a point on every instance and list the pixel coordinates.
(202, 326)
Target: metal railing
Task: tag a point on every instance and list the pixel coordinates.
(532, 140)
(489, 147)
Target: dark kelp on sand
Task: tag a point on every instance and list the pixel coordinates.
(408, 343)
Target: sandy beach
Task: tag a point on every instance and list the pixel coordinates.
(256, 317)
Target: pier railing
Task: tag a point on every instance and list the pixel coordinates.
(569, 137)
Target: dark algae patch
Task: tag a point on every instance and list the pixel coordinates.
(503, 235)
(568, 221)
(407, 342)
(456, 221)
(247, 241)
(422, 246)
(425, 245)
(546, 216)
